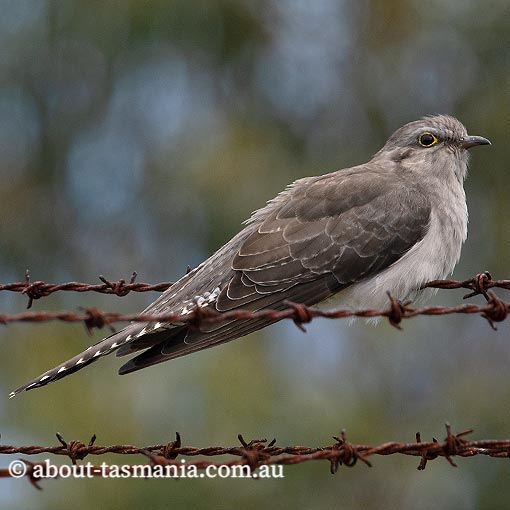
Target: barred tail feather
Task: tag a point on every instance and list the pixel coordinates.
(88, 356)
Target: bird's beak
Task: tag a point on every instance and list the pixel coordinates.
(472, 141)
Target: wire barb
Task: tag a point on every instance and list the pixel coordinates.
(301, 315)
(478, 284)
(76, 450)
(498, 311)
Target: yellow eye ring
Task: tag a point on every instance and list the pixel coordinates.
(427, 139)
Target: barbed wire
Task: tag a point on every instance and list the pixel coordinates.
(494, 310)
(478, 284)
(39, 289)
(259, 452)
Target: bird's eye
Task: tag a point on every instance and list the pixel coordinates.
(427, 139)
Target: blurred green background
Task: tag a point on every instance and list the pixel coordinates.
(137, 135)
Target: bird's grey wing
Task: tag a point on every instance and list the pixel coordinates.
(323, 236)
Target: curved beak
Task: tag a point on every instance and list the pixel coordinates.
(472, 141)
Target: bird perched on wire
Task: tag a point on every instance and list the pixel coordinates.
(347, 237)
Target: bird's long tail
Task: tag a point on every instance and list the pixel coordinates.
(88, 356)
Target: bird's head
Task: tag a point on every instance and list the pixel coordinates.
(437, 144)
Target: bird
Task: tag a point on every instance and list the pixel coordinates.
(343, 238)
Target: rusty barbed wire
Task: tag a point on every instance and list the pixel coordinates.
(259, 452)
(479, 284)
(495, 309)
(39, 289)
